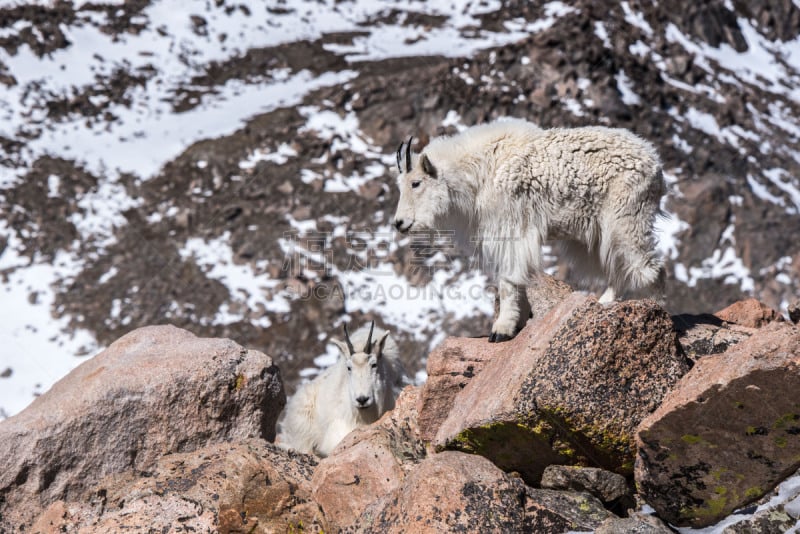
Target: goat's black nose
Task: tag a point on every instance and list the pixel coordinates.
(398, 223)
(362, 400)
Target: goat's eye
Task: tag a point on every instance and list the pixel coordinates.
(349, 368)
(415, 184)
(374, 365)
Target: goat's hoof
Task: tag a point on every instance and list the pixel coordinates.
(499, 338)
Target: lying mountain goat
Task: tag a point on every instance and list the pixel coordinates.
(511, 186)
(353, 392)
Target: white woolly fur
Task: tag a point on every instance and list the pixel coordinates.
(510, 186)
(355, 391)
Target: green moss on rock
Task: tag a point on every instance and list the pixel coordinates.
(512, 446)
(713, 508)
(551, 435)
(785, 420)
(754, 493)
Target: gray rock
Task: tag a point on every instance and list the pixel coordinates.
(155, 391)
(604, 485)
(562, 511)
(636, 524)
(764, 522)
(701, 335)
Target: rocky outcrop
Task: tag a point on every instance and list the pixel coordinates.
(727, 433)
(561, 76)
(457, 360)
(245, 486)
(569, 389)
(551, 414)
(155, 391)
(456, 492)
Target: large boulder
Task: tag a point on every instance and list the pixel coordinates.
(457, 492)
(247, 486)
(369, 462)
(571, 388)
(458, 360)
(155, 391)
(727, 433)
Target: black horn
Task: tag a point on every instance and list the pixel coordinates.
(400, 157)
(368, 346)
(408, 154)
(347, 340)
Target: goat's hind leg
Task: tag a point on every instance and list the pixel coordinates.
(608, 296)
(655, 290)
(632, 265)
(585, 267)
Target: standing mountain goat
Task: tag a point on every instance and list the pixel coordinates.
(355, 391)
(511, 186)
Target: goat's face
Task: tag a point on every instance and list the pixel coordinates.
(423, 192)
(366, 382)
(365, 374)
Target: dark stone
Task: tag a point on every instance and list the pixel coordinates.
(604, 485)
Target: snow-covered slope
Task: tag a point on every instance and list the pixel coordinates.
(106, 86)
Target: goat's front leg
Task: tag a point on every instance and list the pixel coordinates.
(513, 313)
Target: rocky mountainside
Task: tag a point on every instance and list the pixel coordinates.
(604, 419)
(227, 167)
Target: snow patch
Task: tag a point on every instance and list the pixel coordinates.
(249, 290)
(629, 96)
(35, 346)
(601, 33)
(279, 156)
(636, 19)
(453, 119)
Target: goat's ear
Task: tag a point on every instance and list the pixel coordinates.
(381, 342)
(342, 347)
(427, 166)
